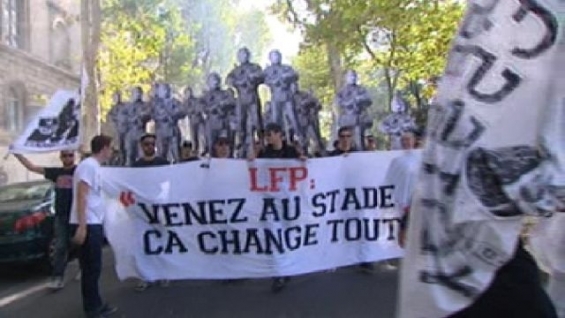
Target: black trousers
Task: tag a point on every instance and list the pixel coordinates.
(90, 259)
(516, 292)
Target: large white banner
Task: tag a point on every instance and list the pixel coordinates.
(495, 152)
(55, 127)
(234, 218)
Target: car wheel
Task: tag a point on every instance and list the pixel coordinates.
(48, 261)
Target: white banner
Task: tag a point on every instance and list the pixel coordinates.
(236, 219)
(495, 152)
(55, 127)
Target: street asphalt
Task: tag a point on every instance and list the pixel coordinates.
(343, 293)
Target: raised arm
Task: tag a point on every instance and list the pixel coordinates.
(28, 165)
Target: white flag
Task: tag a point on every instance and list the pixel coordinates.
(495, 152)
(55, 127)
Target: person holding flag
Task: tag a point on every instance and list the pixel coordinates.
(494, 154)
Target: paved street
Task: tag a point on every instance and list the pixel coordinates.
(344, 293)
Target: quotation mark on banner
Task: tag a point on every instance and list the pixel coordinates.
(127, 199)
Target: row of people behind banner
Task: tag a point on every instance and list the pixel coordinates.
(237, 111)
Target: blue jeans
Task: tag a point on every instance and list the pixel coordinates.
(90, 259)
(62, 239)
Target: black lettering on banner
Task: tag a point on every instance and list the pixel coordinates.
(239, 203)
(334, 224)
(371, 196)
(190, 213)
(451, 280)
(310, 237)
(269, 208)
(477, 20)
(230, 238)
(253, 240)
(350, 199)
(455, 120)
(272, 240)
(292, 239)
(439, 242)
(391, 231)
(147, 247)
(512, 80)
(371, 235)
(171, 214)
(547, 19)
(353, 229)
(216, 213)
(201, 243)
(150, 214)
(332, 194)
(318, 202)
(174, 244)
(287, 214)
(386, 196)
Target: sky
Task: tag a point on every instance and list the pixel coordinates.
(284, 38)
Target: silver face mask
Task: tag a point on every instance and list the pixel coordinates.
(351, 78)
(213, 81)
(243, 56)
(275, 57)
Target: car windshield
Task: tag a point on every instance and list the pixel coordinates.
(23, 191)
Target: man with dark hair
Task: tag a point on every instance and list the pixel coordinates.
(86, 219)
(370, 143)
(277, 148)
(149, 157)
(221, 147)
(187, 152)
(62, 177)
(344, 143)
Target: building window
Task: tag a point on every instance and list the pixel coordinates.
(14, 109)
(60, 44)
(13, 19)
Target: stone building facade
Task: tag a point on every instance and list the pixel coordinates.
(40, 52)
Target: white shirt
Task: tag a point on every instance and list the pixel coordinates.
(403, 174)
(88, 172)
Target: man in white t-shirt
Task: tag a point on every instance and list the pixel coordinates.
(403, 174)
(86, 219)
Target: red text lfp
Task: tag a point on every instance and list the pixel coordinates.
(276, 176)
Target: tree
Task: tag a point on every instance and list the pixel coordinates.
(407, 39)
(143, 41)
(90, 28)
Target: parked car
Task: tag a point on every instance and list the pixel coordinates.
(26, 223)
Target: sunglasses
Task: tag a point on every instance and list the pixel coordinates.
(67, 155)
(344, 136)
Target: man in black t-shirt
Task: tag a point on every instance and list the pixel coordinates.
(62, 177)
(344, 144)
(277, 148)
(149, 158)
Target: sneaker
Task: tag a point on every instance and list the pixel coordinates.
(56, 283)
(141, 286)
(366, 268)
(279, 284)
(105, 311)
(164, 283)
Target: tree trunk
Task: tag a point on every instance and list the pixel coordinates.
(91, 32)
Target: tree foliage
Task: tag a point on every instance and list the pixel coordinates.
(393, 44)
(142, 41)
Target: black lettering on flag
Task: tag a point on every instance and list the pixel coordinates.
(451, 280)
(174, 244)
(547, 19)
